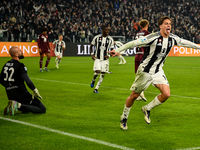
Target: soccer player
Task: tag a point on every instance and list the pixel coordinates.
(102, 42)
(44, 48)
(140, 50)
(59, 47)
(121, 58)
(12, 77)
(150, 70)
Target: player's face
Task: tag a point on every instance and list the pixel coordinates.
(20, 54)
(61, 37)
(44, 32)
(105, 31)
(165, 28)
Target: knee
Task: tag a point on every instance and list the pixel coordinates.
(166, 95)
(44, 110)
(133, 96)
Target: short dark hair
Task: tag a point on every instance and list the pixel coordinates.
(104, 26)
(44, 29)
(161, 20)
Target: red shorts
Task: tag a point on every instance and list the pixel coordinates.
(44, 51)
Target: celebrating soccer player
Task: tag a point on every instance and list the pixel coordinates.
(150, 70)
(58, 50)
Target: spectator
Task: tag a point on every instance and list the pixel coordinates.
(2, 33)
(12, 19)
(16, 33)
(24, 35)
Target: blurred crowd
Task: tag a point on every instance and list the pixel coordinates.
(81, 20)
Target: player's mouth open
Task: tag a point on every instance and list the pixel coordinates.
(168, 31)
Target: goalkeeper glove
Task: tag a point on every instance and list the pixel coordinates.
(36, 94)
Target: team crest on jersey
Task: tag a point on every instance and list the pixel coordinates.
(25, 68)
(160, 41)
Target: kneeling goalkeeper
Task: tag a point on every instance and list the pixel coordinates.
(12, 77)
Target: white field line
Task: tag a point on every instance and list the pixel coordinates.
(110, 87)
(69, 134)
(192, 148)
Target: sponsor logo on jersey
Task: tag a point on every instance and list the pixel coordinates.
(143, 40)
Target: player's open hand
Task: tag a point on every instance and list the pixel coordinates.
(113, 53)
(36, 94)
(107, 57)
(93, 57)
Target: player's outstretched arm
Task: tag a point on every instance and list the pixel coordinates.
(113, 53)
(186, 43)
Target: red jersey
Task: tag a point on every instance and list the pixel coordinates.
(139, 50)
(43, 42)
(138, 35)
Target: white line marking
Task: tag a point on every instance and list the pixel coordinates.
(111, 87)
(69, 134)
(192, 148)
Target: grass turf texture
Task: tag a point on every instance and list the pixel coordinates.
(72, 107)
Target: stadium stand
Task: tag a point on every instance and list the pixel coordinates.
(81, 20)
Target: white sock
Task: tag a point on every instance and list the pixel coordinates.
(126, 112)
(100, 81)
(120, 58)
(155, 102)
(19, 105)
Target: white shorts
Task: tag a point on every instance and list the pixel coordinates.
(143, 80)
(58, 54)
(102, 65)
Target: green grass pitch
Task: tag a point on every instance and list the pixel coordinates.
(73, 108)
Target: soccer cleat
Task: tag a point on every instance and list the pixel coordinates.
(14, 108)
(11, 108)
(124, 62)
(92, 84)
(96, 91)
(46, 69)
(57, 67)
(8, 107)
(140, 97)
(123, 123)
(41, 70)
(120, 63)
(146, 115)
(109, 72)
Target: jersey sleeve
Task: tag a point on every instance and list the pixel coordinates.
(112, 44)
(64, 45)
(23, 69)
(93, 40)
(186, 43)
(140, 42)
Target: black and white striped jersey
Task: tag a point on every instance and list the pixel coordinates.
(103, 45)
(157, 49)
(58, 46)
